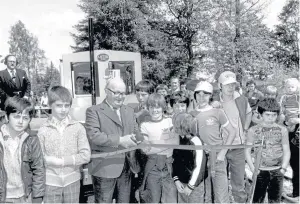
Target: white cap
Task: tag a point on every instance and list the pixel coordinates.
(204, 86)
(227, 77)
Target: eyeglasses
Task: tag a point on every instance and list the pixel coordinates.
(19, 116)
(116, 93)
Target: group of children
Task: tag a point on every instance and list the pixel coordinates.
(275, 124)
(46, 167)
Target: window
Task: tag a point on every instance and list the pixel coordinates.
(81, 78)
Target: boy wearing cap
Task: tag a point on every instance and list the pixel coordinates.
(210, 121)
(239, 113)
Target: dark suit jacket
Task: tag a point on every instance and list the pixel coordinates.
(104, 130)
(8, 86)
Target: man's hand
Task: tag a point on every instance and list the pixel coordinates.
(26, 97)
(179, 186)
(54, 161)
(127, 141)
(187, 191)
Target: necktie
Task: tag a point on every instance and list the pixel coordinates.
(117, 111)
(13, 76)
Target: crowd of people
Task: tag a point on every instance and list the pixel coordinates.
(47, 167)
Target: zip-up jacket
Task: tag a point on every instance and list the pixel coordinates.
(32, 167)
(67, 140)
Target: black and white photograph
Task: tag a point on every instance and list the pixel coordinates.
(149, 101)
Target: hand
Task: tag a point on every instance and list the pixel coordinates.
(127, 141)
(26, 97)
(85, 176)
(221, 156)
(187, 191)
(294, 121)
(137, 195)
(179, 186)
(216, 104)
(282, 171)
(54, 161)
(147, 148)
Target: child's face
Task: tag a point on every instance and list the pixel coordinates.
(203, 98)
(142, 97)
(162, 92)
(60, 109)
(156, 113)
(19, 121)
(269, 117)
(290, 88)
(179, 108)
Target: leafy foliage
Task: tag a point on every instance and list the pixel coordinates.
(286, 34)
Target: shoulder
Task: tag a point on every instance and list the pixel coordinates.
(97, 107)
(20, 71)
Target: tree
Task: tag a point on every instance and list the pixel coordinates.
(51, 78)
(26, 48)
(122, 25)
(286, 33)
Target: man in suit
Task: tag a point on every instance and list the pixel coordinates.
(110, 126)
(13, 81)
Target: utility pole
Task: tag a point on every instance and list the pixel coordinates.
(92, 67)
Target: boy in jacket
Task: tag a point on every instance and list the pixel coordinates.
(65, 147)
(22, 171)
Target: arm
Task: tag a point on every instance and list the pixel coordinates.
(248, 150)
(248, 117)
(286, 149)
(230, 131)
(256, 117)
(38, 169)
(27, 85)
(83, 148)
(2, 92)
(198, 163)
(93, 130)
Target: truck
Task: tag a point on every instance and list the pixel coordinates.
(76, 76)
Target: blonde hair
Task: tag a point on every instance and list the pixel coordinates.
(271, 90)
(292, 81)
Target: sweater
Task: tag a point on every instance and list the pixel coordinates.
(67, 140)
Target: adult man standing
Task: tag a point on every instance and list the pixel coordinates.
(13, 81)
(110, 127)
(239, 114)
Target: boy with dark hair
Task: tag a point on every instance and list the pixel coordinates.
(275, 153)
(143, 89)
(65, 147)
(22, 170)
(179, 102)
(168, 112)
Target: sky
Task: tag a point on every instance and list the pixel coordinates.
(51, 21)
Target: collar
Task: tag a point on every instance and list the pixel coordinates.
(5, 134)
(111, 106)
(235, 96)
(52, 121)
(11, 70)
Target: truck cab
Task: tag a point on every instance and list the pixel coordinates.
(76, 76)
